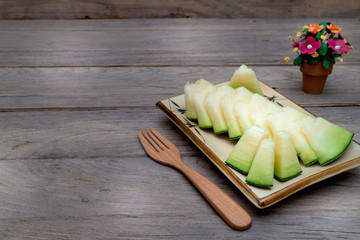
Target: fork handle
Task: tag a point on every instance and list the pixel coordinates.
(232, 213)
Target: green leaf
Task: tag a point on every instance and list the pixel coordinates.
(325, 26)
(323, 49)
(312, 61)
(332, 61)
(326, 63)
(298, 60)
(318, 36)
(306, 30)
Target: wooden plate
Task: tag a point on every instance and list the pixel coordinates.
(218, 147)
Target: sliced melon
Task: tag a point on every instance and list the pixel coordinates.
(261, 172)
(212, 104)
(261, 107)
(244, 151)
(246, 77)
(189, 91)
(302, 147)
(292, 122)
(189, 102)
(327, 140)
(244, 94)
(241, 111)
(203, 118)
(286, 161)
(241, 108)
(227, 104)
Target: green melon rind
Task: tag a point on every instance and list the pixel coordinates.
(329, 141)
(286, 163)
(339, 155)
(261, 172)
(258, 185)
(250, 141)
(288, 178)
(234, 166)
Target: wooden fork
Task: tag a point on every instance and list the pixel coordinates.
(163, 151)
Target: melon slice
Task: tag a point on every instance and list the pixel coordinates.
(241, 111)
(261, 107)
(189, 91)
(244, 94)
(203, 118)
(244, 151)
(292, 121)
(189, 102)
(246, 77)
(286, 161)
(327, 140)
(227, 104)
(213, 106)
(241, 108)
(261, 172)
(302, 147)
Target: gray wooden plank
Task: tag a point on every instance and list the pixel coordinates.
(66, 9)
(111, 133)
(156, 42)
(119, 87)
(136, 198)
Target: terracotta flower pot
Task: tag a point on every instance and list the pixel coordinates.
(314, 77)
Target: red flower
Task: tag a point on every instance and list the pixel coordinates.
(338, 46)
(309, 46)
(296, 44)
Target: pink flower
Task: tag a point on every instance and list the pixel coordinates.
(296, 44)
(309, 46)
(338, 46)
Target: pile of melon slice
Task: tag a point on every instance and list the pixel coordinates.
(272, 138)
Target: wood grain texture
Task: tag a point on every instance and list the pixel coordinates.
(136, 198)
(161, 150)
(153, 42)
(105, 9)
(107, 133)
(118, 87)
(73, 95)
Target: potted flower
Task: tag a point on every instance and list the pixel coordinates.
(318, 48)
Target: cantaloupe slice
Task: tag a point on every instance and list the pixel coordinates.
(327, 140)
(244, 151)
(246, 77)
(286, 161)
(261, 172)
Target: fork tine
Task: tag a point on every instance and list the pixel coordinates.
(152, 141)
(149, 149)
(163, 139)
(145, 143)
(157, 140)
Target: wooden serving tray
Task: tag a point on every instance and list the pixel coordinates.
(218, 147)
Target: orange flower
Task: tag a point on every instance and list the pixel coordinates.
(334, 29)
(315, 28)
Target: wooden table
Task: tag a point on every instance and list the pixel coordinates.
(75, 93)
